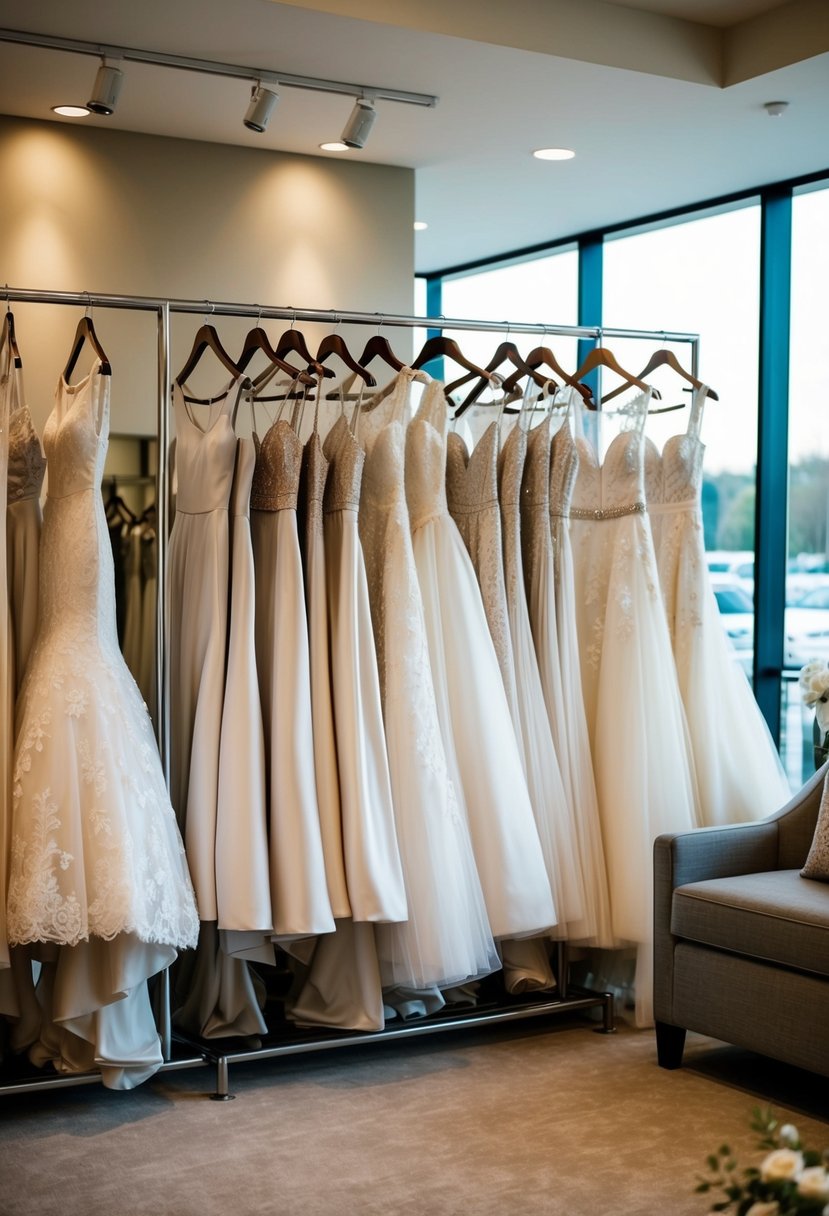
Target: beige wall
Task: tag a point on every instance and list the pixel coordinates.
(111, 211)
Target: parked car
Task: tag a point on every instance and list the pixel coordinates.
(737, 611)
(807, 627)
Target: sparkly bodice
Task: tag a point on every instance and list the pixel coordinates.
(314, 475)
(278, 467)
(27, 464)
(472, 480)
(346, 459)
(615, 486)
(75, 437)
(511, 462)
(426, 458)
(564, 468)
(205, 456)
(674, 476)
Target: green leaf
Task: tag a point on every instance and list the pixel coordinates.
(703, 1188)
(725, 1151)
(712, 1163)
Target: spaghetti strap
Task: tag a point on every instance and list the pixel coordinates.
(697, 406)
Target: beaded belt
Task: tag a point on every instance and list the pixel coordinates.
(631, 508)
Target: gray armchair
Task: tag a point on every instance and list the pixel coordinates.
(741, 941)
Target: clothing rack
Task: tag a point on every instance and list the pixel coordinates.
(214, 1052)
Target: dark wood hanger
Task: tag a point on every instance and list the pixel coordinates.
(7, 335)
(664, 358)
(294, 339)
(434, 348)
(333, 344)
(542, 356)
(601, 356)
(256, 340)
(206, 339)
(86, 333)
(506, 352)
(378, 347)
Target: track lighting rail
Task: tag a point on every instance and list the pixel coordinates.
(210, 67)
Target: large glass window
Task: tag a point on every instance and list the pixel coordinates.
(544, 290)
(807, 580)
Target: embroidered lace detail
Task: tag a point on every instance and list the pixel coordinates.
(94, 845)
(472, 494)
(278, 464)
(27, 464)
(346, 459)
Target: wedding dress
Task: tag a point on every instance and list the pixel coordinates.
(447, 938)
(539, 755)
(97, 864)
(737, 766)
(299, 889)
(312, 539)
(472, 707)
(27, 467)
(638, 734)
(564, 462)
(374, 871)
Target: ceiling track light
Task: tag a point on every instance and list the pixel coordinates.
(105, 90)
(358, 128)
(261, 106)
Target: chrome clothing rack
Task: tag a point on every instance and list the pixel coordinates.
(197, 1053)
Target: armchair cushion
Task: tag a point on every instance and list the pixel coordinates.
(776, 916)
(817, 863)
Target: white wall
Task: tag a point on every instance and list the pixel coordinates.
(111, 211)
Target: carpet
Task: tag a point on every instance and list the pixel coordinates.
(547, 1119)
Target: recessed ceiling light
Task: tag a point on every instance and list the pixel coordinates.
(71, 111)
(553, 154)
(420, 226)
(335, 146)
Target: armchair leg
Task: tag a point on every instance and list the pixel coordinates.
(670, 1043)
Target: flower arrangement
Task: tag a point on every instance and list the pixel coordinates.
(790, 1178)
(814, 689)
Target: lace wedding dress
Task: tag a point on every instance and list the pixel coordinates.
(97, 865)
(447, 938)
(27, 468)
(738, 770)
(638, 734)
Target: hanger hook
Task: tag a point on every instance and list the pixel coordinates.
(259, 314)
(381, 322)
(338, 320)
(87, 312)
(293, 318)
(8, 301)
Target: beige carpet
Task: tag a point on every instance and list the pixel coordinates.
(539, 1119)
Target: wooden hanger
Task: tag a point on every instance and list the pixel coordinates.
(86, 333)
(256, 340)
(206, 339)
(333, 344)
(506, 352)
(378, 347)
(601, 356)
(7, 335)
(542, 356)
(433, 348)
(294, 339)
(664, 358)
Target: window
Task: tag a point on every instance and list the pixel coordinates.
(807, 578)
(544, 290)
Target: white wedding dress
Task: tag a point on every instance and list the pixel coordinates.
(738, 770)
(446, 939)
(472, 705)
(638, 734)
(97, 865)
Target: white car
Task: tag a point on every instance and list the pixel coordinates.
(737, 611)
(807, 628)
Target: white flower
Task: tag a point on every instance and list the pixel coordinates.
(813, 1183)
(789, 1135)
(764, 1209)
(814, 680)
(781, 1165)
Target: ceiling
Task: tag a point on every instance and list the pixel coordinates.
(662, 100)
